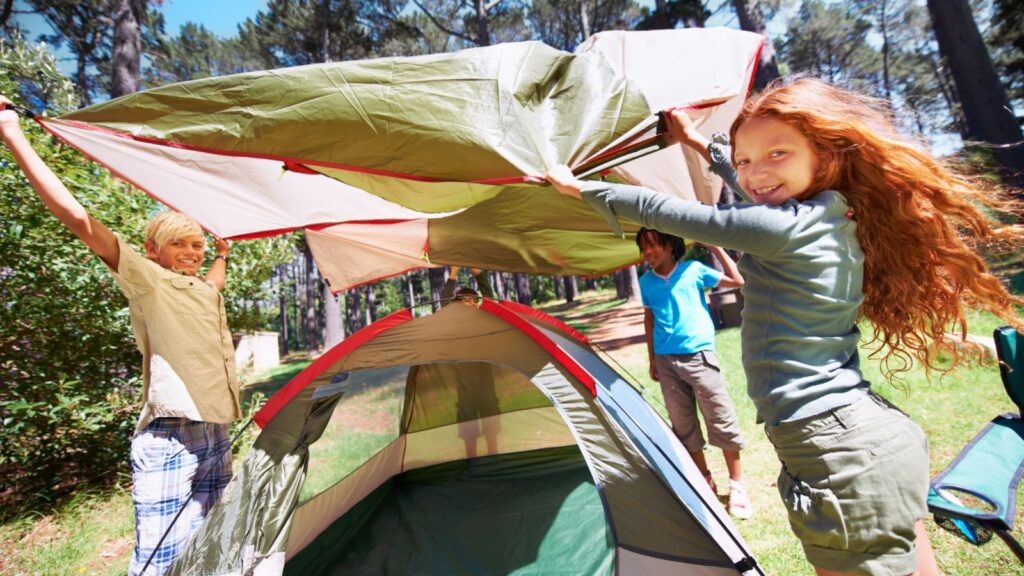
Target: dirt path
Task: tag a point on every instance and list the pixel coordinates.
(610, 329)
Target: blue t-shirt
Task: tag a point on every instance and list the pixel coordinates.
(682, 322)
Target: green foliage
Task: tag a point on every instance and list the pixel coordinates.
(252, 263)
(196, 53)
(67, 358)
(68, 361)
(294, 33)
(1006, 42)
(559, 23)
(830, 40)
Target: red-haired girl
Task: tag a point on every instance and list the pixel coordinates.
(846, 221)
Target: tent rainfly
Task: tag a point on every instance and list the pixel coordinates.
(394, 164)
(482, 440)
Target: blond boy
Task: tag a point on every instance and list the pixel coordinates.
(180, 451)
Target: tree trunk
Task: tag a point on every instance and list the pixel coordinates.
(324, 34)
(983, 98)
(334, 323)
(124, 70)
(752, 20)
(353, 317)
(570, 288)
(522, 287)
(483, 31)
(499, 286)
(558, 286)
(436, 277)
(584, 19)
(82, 81)
(371, 304)
(282, 310)
(883, 25)
(410, 297)
(660, 19)
(627, 285)
(310, 301)
(296, 304)
(6, 13)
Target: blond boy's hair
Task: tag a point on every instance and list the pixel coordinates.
(169, 226)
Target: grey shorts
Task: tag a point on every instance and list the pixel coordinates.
(855, 481)
(689, 381)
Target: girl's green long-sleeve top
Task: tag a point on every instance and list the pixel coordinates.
(804, 270)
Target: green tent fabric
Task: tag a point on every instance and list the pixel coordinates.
(472, 519)
(262, 494)
(394, 164)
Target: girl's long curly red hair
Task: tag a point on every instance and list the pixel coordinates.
(919, 220)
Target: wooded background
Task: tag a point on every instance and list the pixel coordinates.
(953, 71)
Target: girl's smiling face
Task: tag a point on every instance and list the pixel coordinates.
(774, 161)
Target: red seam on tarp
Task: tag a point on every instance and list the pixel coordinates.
(333, 291)
(316, 227)
(546, 318)
(524, 326)
(42, 122)
(344, 348)
(757, 64)
(295, 164)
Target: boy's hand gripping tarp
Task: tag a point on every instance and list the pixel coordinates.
(394, 164)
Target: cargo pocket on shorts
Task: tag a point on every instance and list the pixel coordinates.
(710, 360)
(814, 513)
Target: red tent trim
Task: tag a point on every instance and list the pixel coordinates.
(524, 310)
(344, 348)
(524, 326)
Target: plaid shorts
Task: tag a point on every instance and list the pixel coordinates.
(175, 463)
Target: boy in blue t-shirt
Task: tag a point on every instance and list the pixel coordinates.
(681, 345)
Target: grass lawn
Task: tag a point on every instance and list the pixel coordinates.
(94, 534)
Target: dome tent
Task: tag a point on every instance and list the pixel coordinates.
(581, 475)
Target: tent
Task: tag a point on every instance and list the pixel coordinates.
(394, 164)
(504, 445)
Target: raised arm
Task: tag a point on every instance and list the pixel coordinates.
(483, 283)
(448, 290)
(758, 229)
(732, 277)
(649, 338)
(717, 153)
(52, 191)
(218, 272)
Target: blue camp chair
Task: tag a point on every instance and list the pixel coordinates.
(990, 467)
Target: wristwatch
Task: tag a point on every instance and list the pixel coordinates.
(221, 257)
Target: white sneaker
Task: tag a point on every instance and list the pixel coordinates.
(740, 505)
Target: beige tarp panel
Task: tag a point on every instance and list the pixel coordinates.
(651, 62)
(351, 254)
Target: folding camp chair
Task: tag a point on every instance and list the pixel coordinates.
(991, 465)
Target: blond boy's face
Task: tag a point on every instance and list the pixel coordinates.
(181, 254)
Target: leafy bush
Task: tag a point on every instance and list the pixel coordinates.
(67, 358)
(69, 367)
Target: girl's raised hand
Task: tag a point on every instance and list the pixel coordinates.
(562, 178)
(682, 129)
